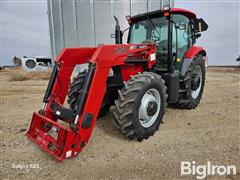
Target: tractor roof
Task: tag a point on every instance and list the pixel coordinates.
(185, 12)
(156, 13)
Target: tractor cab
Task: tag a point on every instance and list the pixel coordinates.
(173, 31)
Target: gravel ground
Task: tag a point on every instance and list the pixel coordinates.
(208, 133)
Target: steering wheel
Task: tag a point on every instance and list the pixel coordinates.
(156, 39)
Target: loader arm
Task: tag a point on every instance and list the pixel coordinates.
(66, 142)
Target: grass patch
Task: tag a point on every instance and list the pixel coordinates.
(18, 74)
(224, 69)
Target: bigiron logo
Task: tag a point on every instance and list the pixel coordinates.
(202, 171)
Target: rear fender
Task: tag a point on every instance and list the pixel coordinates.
(189, 56)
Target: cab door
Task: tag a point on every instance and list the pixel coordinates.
(182, 37)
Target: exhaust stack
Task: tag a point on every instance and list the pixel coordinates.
(118, 32)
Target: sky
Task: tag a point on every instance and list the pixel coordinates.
(24, 29)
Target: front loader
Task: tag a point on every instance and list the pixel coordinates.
(159, 65)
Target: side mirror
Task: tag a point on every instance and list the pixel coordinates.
(201, 25)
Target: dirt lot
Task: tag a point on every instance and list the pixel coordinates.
(209, 133)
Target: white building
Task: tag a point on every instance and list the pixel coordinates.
(77, 23)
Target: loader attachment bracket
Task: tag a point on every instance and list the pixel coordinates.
(57, 140)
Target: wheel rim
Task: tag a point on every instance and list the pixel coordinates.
(196, 82)
(149, 108)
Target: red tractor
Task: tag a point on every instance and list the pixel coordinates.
(159, 65)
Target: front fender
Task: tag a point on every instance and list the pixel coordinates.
(190, 55)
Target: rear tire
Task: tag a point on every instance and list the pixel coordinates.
(74, 92)
(143, 95)
(191, 86)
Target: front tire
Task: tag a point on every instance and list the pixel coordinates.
(140, 107)
(74, 92)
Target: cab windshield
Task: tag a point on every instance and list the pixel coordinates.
(155, 30)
